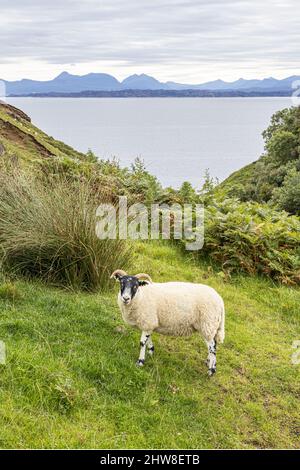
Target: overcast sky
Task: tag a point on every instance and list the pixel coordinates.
(189, 41)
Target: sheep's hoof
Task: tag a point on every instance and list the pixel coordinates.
(212, 371)
(140, 363)
(151, 351)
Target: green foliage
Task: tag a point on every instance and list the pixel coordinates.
(282, 146)
(274, 178)
(238, 184)
(253, 238)
(288, 196)
(64, 166)
(207, 191)
(135, 182)
(91, 157)
(47, 229)
(143, 186)
(287, 119)
(187, 193)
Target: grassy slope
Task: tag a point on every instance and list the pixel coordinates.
(237, 180)
(71, 380)
(22, 139)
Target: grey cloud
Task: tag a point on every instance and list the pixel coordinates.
(145, 32)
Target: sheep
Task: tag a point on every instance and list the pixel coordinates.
(171, 308)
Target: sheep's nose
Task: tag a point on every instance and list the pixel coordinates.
(126, 298)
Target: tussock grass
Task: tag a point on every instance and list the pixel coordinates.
(9, 291)
(47, 230)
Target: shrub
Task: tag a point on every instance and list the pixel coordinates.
(47, 229)
(288, 196)
(283, 146)
(253, 238)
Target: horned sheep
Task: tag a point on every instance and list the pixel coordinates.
(171, 308)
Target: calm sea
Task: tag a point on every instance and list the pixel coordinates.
(178, 138)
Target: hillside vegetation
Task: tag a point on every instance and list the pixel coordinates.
(70, 379)
(275, 177)
(242, 236)
(22, 142)
(71, 382)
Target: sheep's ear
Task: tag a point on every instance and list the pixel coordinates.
(118, 274)
(144, 283)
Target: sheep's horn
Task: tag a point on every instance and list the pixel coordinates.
(143, 276)
(117, 274)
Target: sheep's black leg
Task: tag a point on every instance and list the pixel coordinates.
(150, 346)
(212, 357)
(143, 342)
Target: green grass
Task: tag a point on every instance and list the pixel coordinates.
(70, 380)
(236, 181)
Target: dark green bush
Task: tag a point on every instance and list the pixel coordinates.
(288, 196)
(283, 146)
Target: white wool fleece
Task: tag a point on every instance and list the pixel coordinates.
(177, 309)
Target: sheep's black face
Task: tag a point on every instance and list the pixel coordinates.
(129, 286)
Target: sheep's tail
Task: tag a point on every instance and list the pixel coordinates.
(220, 336)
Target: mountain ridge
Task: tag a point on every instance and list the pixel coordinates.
(69, 83)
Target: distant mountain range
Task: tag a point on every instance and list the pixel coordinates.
(97, 82)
